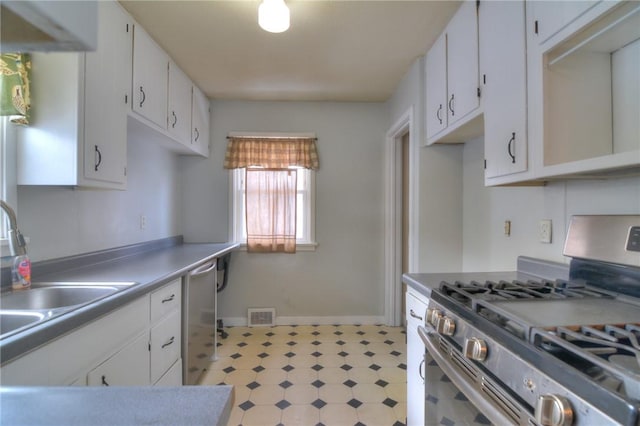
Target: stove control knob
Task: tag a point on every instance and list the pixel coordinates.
(554, 410)
(432, 316)
(475, 349)
(446, 326)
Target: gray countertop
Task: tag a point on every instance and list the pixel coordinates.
(114, 406)
(150, 269)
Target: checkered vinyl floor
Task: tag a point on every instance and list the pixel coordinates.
(342, 375)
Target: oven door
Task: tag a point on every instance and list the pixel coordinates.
(450, 397)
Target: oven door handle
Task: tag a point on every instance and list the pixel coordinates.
(429, 338)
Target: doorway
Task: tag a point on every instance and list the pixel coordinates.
(404, 142)
(400, 221)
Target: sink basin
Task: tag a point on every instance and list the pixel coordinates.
(43, 296)
(10, 321)
(23, 309)
(54, 297)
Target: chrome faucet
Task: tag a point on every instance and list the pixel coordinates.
(17, 245)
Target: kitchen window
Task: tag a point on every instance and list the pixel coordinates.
(305, 208)
(272, 190)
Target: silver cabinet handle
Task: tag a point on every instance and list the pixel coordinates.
(413, 314)
(169, 299)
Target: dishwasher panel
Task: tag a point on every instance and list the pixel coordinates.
(199, 322)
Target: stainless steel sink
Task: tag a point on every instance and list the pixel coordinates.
(45, 300)
(10, 321)
(54, 297)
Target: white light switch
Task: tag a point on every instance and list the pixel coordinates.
(544, 232)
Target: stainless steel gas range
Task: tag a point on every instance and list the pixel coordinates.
(542, 351)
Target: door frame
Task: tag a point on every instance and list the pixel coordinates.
(393, 213)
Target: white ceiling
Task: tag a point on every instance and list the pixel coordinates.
(335, 50)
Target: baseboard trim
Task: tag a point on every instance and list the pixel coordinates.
(283, 320)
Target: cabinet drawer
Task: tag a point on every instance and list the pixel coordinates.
(165, 345)
(166, 299)
(128, 367)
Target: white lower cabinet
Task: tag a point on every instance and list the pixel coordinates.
(138, 344)
(165, 345)
(416, 311)
(165, 342)
(173, 377)
(127, 367)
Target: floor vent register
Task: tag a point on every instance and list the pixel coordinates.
(261, 317)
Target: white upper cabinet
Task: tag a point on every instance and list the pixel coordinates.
(150, 74)
(584, 86)
(179, 111)
(452, 89)
(436, 83)
(462, 63)
(107, 97)
(163, 99)
(200, 122)
(549, 17)
(78, 134)
(504, 86)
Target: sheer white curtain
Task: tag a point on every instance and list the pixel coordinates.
(271, 210)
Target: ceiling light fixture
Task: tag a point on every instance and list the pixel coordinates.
(273, 16)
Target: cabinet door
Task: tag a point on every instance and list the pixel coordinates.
(173, 377)
(179, 111)
(150, 64)
(503, 69)
(551, 16)
(416, 311)
(200, 123)
(436, 84)
(107, 94)
(462, 62)
(128, 367)
(165, 345)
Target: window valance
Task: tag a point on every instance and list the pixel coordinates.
(271, 152)
(15, 75)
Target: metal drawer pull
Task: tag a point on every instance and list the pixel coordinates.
(175, 119)
(169, 299)
(438, 114)
(169, 342)
(99, 159)
(413, 314)
(420, 371)
(144, 96)
(451, 106)
(511, 143)
(197, 134)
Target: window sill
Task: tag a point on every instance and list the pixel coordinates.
(308, 246)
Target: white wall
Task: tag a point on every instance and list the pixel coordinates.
(486, 248)
(344, 276)
(62, 221)
(437, 184)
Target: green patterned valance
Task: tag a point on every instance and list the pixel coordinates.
(15, 94)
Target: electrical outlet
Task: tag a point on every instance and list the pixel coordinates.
(143, 221)
(544, 231)
(507, 228)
